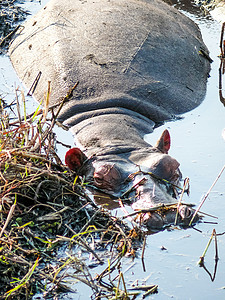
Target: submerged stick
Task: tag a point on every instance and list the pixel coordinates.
(216, 246)
(201, 261)
(150, 291)
(142, 254)
(207, 194)
(142, 287)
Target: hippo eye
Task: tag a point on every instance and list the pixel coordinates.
(107, 177)
(98, 180)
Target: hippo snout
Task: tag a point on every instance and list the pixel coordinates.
(154, 221)
(159, 220)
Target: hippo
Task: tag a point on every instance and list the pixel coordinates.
(139, 63)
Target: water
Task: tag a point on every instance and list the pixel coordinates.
(198, 145)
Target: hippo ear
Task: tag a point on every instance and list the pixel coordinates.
(75, 158)
(163, 144)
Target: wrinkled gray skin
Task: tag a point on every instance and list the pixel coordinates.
(137, 63)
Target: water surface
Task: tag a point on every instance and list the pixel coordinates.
(198, 145)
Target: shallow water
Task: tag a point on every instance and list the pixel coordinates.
(198, 145)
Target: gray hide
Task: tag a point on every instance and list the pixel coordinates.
(137, 62)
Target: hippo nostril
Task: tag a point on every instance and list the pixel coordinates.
(185, 212)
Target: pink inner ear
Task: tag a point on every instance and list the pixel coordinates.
(166, 141)
(74, 158)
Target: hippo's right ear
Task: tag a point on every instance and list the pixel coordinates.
(163, 143)
(75, 158)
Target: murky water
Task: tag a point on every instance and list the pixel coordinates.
(198, 145)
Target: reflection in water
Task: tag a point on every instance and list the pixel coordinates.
(105, 200)
(212, 277)
(202, 263)
(222, 64)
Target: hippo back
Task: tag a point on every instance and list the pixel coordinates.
(130, 57)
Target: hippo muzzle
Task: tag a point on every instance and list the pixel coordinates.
(157, 199)
(165, 218)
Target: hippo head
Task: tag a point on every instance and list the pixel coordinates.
(148, 177)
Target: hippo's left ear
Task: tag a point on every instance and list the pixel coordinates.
(75, 158)
(163, 144)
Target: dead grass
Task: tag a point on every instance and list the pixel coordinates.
(45, 212)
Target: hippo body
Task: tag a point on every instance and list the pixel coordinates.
(138, 63)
